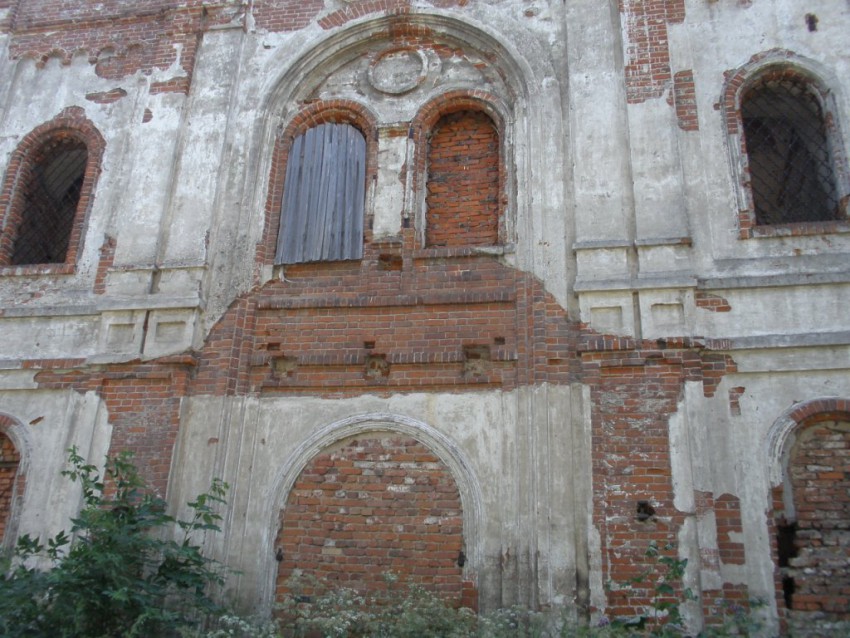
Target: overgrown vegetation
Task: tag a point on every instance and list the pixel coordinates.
(118, 572)
(410, 611)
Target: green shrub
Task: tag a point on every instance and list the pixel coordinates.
(121, 575)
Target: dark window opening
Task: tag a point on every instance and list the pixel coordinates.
(323, 196)
(792, 176)
(49, 200)
(786, 547)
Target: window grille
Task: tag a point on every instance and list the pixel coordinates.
(792, 176)
(49, 199)
(323, 196)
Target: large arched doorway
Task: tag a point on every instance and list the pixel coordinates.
(11, 483)
(813, 525)
(369, 505)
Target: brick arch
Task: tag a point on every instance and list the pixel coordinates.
(13, 465)
(69, 124)
(780, 438)
(321, 112)
(811, 512)
(432, 465)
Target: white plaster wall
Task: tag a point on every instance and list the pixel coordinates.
(49, 423)
(520, 488)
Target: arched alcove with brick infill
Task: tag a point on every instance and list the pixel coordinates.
(463, 187)
(812, 516)
(12, 478)
(372, 504)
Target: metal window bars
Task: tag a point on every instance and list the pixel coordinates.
(50, 195)
(792, 176)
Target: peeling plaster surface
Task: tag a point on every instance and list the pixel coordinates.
(627, 219)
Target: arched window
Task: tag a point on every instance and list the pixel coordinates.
(48, 190)
(323, 196)
(791, 166)
(49, 197)
(464, 181)
(786, 147)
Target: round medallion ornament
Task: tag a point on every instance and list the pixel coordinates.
(398, 71)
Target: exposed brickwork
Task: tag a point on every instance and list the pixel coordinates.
(118, 37)
(635, 387)
(9, 461)
(373, 505)
(648, 73)
(71, 123)
(107, 257)
(710, 302)
(463, 181)
(819, 470)
(143, 400)
(685, 99)
(366, 7)
(106, 97)
(735, 395)
(715, 366)
(727, 514)
(315, 332)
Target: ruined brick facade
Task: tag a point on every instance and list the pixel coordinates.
(571, 335)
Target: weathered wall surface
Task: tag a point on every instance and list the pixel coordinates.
(592, 335)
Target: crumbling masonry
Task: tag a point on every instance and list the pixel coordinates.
(489, 294)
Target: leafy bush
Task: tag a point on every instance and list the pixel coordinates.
(120, 575)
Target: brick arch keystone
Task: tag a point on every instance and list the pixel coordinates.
(444, 447)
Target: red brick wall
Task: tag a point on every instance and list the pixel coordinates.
(635, 388)
(9, 460)
(819, 470)
(440, 320)
(372, 505)
(143, 400)
(463, 181)
(119, 37)
(648, 70)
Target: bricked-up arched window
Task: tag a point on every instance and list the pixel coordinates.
(47, 192)
(464, 181)
(323, 196)
(792, 173)
(814, 529)
(9, 480)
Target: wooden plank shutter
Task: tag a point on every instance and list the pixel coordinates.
(323, 196)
